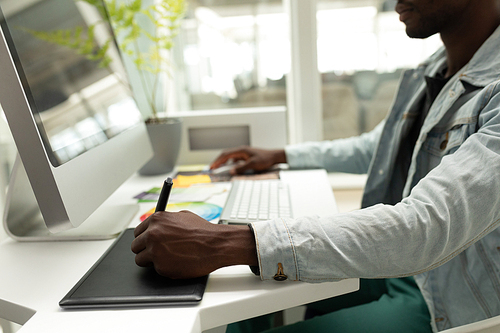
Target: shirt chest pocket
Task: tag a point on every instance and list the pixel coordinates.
(459, 122)
(447, 142)
(441, 143)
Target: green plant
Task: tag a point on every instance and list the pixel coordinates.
(163, 18)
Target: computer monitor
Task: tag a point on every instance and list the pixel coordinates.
(76, 126)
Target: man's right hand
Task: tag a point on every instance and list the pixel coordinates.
(183, 245)
(249, 159)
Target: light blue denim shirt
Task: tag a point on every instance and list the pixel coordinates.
(445, 230)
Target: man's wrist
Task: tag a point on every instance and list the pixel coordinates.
(279, 156)
(238, 246)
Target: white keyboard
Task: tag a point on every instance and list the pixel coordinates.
(256, 200)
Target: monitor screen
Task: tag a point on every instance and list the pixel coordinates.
(69, 106)
(78, 95)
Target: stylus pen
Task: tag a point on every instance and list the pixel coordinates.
(164, 194)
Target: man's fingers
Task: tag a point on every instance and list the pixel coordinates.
(223, 158)
(235, 154)
(141, 227)
(248, 165)
(219, 161)
(138, 244)
(142, 259)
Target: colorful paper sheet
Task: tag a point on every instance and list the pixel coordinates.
(205, 210)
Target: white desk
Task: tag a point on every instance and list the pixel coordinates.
(35, 276)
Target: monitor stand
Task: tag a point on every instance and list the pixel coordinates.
(23, 220)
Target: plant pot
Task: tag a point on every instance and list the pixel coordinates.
(165, 136)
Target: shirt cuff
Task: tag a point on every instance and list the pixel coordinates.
(295, 156)
(277, 262)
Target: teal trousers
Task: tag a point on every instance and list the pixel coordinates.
(380, 306)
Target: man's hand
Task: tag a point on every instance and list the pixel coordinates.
(250, 158)
(183, 245)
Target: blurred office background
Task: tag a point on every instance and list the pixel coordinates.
(236, 53)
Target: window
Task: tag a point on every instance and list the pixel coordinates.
(362, 50)
(233, 54)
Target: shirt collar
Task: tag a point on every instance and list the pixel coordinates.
(481, 70)
(484, 67)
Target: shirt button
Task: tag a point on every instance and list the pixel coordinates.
(452, 93)
(415, 75)
(280, 275)
(443, 145)
(381, 172)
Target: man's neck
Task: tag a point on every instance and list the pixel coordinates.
(464, 39)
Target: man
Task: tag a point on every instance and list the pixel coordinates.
(431, 202)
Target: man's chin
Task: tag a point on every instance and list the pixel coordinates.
(418, 33)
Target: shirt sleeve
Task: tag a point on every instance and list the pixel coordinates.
(455, 205)
(352, 155)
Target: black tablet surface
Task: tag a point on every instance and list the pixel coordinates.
(116, 281)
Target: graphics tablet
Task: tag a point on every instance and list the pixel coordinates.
(116, 281)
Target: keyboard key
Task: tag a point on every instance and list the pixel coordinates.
(258, 200)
